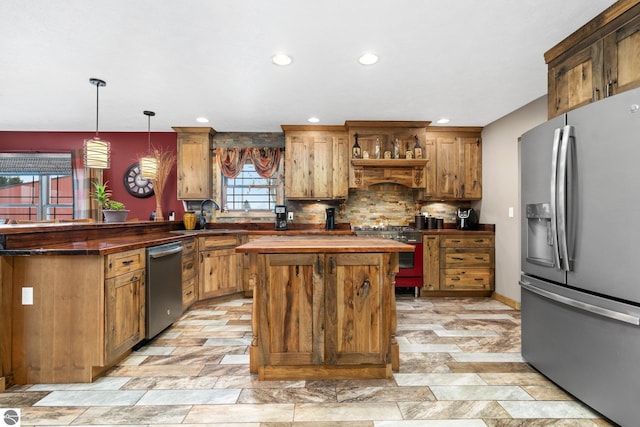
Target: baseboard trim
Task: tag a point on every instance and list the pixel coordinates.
(506, 300)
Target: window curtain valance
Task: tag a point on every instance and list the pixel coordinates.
(231, 160)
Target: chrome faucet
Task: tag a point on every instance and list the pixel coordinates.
(203, 219)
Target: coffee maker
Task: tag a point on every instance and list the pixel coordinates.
(330, 222)
(281, 217)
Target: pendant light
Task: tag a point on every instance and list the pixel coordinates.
(149, 163)
(97, 153)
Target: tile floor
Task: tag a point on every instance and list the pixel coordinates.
(460, 366)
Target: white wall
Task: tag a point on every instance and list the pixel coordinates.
(501, 189)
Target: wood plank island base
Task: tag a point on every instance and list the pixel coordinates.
(323, 307)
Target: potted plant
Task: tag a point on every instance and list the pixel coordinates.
(113, 211)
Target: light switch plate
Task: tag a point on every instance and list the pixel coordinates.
(511, 212)
(27, 296)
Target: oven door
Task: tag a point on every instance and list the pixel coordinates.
(410, 267)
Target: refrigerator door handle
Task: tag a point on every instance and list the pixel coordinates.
(557, 135)
(594, 309)
(561, 203)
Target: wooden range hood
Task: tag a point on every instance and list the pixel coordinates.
(409, 173)
(407, 170)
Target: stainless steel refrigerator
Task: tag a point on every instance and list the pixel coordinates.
(580, 263)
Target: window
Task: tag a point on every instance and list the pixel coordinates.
(249, 191)
(36, 186)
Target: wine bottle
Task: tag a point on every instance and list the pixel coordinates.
(417, 150)
(356, 153)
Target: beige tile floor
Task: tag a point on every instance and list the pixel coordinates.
(460, 366)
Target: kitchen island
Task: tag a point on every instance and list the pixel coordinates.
(323, 307)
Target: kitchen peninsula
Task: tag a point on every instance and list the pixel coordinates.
(72, 295)
(323, 307)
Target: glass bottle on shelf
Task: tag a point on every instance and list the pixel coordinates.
(377, 148)
(396, 149)
(356, 153)
(417, 149)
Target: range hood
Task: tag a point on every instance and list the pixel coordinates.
(409, 173)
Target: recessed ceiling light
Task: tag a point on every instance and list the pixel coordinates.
(368, 59)
(281, 59)
(202, 120)
(313, 120)
(443, 121)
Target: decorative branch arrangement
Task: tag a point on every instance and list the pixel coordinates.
(165, 160)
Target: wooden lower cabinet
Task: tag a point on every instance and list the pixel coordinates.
(87, 313)
(458, 263)
(124, 313)
(220, 267)
(319, 316)
(189, 272)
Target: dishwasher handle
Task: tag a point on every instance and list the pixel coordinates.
(161, 252)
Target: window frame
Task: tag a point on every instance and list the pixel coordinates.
(254, 214)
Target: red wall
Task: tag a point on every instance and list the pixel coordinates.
(126, 148)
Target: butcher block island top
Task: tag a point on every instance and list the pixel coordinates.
(323, 307)
(323, 244)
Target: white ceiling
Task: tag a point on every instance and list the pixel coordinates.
(470, 60)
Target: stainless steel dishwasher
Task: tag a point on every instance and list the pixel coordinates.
(164, 287)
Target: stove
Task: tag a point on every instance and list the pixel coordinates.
(410, 263)
(400, 233)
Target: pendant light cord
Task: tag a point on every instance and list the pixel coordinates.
(97, 106)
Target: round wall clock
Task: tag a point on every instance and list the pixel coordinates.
(135, 184)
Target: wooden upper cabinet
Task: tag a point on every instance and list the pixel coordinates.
(576, 81)
(598, 60)
(622, 58)
(457, 166)
(316, 162)
(194, 162)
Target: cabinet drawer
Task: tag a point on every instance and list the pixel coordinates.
(189, 292)
(466, 241)
(124, 262)
(466, 279)
(466, 257)
(217, 242)
(189, 265)
(189, 246)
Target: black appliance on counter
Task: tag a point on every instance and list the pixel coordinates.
(466, 219)
(281, 217)
(330, 222)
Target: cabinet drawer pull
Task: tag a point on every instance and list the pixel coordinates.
(456, 241)
(479, 240)
(455, 279)
(134, 278)
(127, 262)
(189, 266)
(457, 258)
(478, 279)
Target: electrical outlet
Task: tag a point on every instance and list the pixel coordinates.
(290, 216)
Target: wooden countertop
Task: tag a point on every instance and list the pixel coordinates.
(323, 244)
(106, 238)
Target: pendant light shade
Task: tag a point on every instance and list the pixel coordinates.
(97, 152)
(149, 163)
